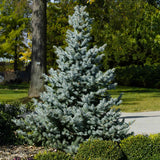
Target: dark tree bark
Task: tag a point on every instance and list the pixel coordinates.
(38, 64)
(15, 58)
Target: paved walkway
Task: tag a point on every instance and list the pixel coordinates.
(145, 122)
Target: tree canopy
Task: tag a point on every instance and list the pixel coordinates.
(129, 28)
(14, 24)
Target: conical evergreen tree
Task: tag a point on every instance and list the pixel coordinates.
(76, 104)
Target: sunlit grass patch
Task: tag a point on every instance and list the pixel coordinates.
(11, 93)
(138, 99)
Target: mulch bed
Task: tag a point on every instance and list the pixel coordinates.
(22, 152)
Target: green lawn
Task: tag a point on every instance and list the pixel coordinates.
(134, 99)
(12, 93)
(138, 99)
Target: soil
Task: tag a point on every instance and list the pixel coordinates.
(24, 152)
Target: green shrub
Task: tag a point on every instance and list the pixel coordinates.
(99, 150)
(139, 76)
(137, 147)
(155, 138)
(53, 156)
(7, 127)
(155, 157)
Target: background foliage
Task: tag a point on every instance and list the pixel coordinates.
(57, 25)
(14, 24)
(146, 76)
(129, 28)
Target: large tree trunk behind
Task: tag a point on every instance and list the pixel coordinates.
(38, 64)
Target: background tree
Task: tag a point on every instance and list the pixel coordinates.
(132, 34)
(57, 25)
(99, 10)
(13, 26)
(26, 55)
(38, 63)
(130, 29)
(155, 3)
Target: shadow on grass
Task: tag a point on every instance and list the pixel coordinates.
(130, 101)
(157, 95)
(124, 91)
(126, 104)
(134, 91)
(12, 91)
(14, 86)
(137, 90)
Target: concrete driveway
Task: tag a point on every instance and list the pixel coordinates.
(145, 122)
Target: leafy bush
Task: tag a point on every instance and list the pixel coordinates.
(53, 156)
(137, 147)
(7, 126)
(155, 157)
(99, 150)
(139, 76)
(155, 138)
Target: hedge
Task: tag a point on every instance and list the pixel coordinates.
(99, 149)
(139, 76)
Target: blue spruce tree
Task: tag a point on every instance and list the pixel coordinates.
(76, 104)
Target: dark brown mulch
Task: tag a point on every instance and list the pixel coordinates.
(23, 151)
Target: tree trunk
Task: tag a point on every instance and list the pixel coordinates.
(38, 64)
(15, 59)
